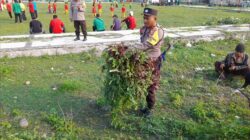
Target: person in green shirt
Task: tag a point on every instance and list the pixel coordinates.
(17, 11)
(98, 24)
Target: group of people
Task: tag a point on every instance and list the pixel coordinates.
(52, 8)
(152, 36)
(18, 8)
(99, 25)
(56, 26)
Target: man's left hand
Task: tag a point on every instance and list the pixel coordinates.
(232, 68)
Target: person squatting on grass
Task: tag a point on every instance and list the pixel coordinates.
(77, 9)
(235, 63)
(152, 37)
(36, 26)
(23, 8)
(130, 21)
(98, 24)
(116, 24)
(17, 11)
(56, 26)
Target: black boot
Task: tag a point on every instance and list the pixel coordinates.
(85, 38)
(77, 38)
(146, 112)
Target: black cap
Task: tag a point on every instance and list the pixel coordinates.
(149, 11)
(240, 48)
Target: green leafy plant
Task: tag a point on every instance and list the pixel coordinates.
(69, 86)
(64, 127)
(128, 76)
(176, 99)
(227, 20)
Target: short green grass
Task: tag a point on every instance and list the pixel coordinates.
(173, 16)
(60, 101)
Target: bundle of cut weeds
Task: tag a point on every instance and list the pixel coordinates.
(128, 76)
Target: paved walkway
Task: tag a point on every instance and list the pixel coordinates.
(236, 9)
(50, 44)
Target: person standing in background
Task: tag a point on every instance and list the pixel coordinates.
(77, 9)
(66, 8)
(99, 8)
(49, 8)
(54, 7)
(123, 11)
(9, 8)
(17, 11)
(94, 9)
(31, 8)
(35, 8)
(23, 8)
(112, 10)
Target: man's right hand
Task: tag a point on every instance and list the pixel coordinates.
(222, 66)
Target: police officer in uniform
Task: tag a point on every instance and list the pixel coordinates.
(152, 37)
(77, 10)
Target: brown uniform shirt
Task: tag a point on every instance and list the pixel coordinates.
(77, 10)
(151, 41)
(231, 60)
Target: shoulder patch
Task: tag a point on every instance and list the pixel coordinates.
(154, 39)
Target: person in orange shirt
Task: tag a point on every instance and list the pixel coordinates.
(112, 10)
(56, 26)
(123, 11)
(54, 7)
(94, 9)
(9, 8)
(49, 8)
(66, 8)
(99, 8)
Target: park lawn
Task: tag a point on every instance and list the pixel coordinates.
(173, 16)
(190, 104)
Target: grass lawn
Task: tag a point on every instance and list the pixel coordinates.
(190, 104)
(168, 17)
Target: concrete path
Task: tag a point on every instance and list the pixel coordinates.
(50, 44)
(236, 9)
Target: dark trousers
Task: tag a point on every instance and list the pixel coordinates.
(32, 15)
(127, 23)
(226, 70)
(10, 14)
(18, 16)
(155, 82)
(24, 15)
(36, 14)
(80, 24)
(94, 29)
